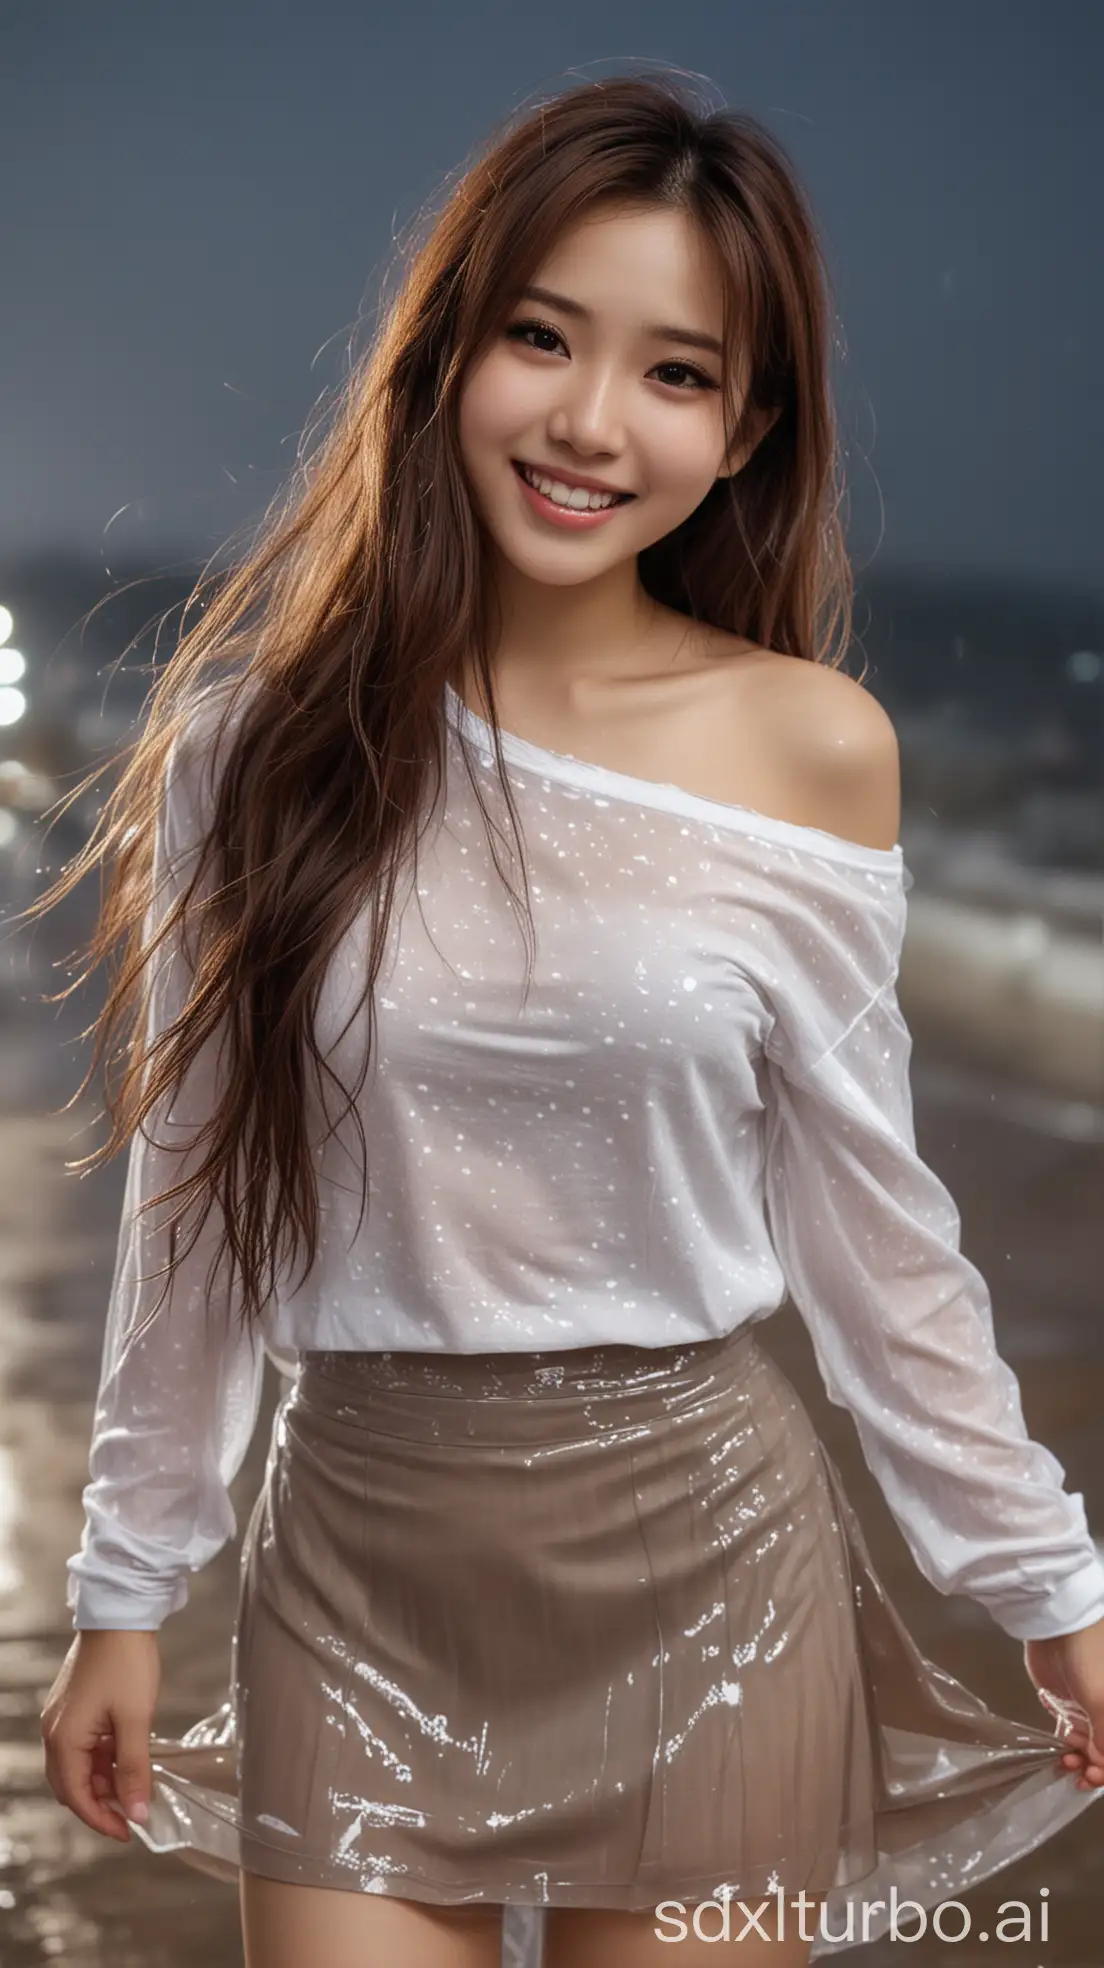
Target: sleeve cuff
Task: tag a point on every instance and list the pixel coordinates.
(1076, 1603)
(102, 1607)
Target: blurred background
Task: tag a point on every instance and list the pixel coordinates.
(199, 204)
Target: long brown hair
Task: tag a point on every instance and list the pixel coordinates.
(326, 649)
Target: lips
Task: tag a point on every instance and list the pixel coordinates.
(521, 467)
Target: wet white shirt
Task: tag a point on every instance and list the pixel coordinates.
(701, 1105)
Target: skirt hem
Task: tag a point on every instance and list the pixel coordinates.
(186, 1828)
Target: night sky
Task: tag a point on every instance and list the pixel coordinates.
(199, 200)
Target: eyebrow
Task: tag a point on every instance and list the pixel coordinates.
(693, 337)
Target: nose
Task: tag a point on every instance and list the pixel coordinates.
(587, 416)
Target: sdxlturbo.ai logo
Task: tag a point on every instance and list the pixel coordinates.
(792, 1916)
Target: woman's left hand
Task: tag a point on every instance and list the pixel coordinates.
(1071, 1667)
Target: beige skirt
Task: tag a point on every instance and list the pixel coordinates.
(585, 1628)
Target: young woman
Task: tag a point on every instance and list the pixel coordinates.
(552, 1596)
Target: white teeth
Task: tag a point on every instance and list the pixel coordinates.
(577, 496)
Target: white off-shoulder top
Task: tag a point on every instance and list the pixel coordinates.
(701, 1105)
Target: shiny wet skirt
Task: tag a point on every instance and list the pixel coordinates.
(594, 1627)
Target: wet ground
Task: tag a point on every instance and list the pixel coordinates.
(1030, 1198)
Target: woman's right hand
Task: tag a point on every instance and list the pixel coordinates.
(96, 1726)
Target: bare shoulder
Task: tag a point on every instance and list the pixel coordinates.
(833, 746)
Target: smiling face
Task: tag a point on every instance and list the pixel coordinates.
(583, 388)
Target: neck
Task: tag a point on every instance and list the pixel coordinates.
(582, 631)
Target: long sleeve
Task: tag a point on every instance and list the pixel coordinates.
(900, 1320)
(177, 1404)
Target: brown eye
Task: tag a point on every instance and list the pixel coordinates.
(520, 328)
(700, 379)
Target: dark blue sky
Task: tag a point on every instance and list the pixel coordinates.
(199, 199)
